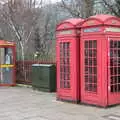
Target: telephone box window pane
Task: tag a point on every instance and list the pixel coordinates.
(111, 63)
(86, 61)
(2, 55)
(86, 52)
(114, 66)
(90, 66)
(94, 61)
(90, 79)
(90, 61)
(86, 79)
(6, 75)
(119, 53)
(112, 71)
(90, 70)
(114, 44)
(86, 44)
(118, 44)
(90, 52)
(95, 79)
(94, 53)
(86, 70)
(6, 56)
(90, 87)
(112, 80)
(65, 65)
(90, 44)
(94, 44)
(119, 79)
(94, 70)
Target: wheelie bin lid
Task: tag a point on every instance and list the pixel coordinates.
(44, 65)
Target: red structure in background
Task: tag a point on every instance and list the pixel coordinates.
(7, 63)
(24, 76)
(100, 60)
(67, 57)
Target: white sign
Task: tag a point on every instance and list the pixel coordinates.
(65, 32)
(96, 29)
(112, 29)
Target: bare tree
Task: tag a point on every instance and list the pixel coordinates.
(78, 8)
(26, 20)
(20, 20)
(44, 32)
(113, 6)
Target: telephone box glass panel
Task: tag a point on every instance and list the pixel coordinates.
(6, 62)
(90, 51)
(65, 65)
(115, 66)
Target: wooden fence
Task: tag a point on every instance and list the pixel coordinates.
(24, 70)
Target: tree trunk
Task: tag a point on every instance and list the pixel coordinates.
(23, 59)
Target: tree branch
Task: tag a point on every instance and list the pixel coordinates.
(111, 8)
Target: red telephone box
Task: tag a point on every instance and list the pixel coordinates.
(100, 60)
(7, 63)
(67, 57)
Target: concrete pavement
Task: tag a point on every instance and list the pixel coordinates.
(21, 103)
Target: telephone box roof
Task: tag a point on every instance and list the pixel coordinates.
(101, 19)
(69, 23)
(4, 42)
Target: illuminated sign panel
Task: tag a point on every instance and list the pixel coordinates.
(112, 29)
(65, 32)
(92, 30)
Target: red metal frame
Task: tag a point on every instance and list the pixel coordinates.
(6, 44)
(24, 77)
(67, 33)
(102, 29)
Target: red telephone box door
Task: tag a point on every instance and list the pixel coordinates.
(91, 70)
(63, 73)
(113, 70)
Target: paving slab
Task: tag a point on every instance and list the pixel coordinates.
(22, 103)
